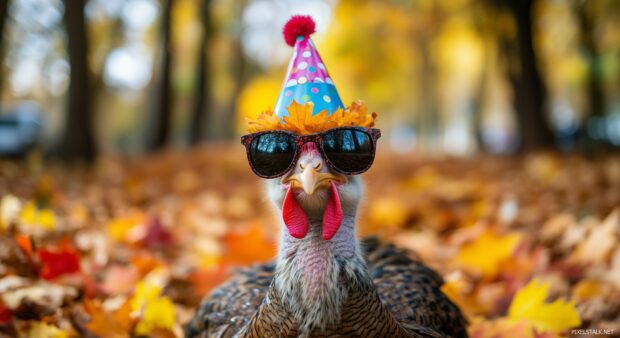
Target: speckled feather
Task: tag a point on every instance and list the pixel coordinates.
(409, 290)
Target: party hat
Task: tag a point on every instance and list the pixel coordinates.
(307, 79)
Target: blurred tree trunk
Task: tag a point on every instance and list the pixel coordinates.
(480, 95)
(239, 69)
(202, 92)
(78, 139)
(596, 93)
(529, 91)
(428, 122)
(240, 75)
(159, 130)
(4, 12)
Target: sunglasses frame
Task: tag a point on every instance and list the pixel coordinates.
(317, 139)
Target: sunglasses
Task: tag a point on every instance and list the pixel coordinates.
(347, 150)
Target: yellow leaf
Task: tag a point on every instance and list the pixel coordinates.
(599, 243)
(43, 330)
(145, 292)
(462, 292)
(529, 305)
(487, 252)
(587, 289)
(120, 229)
(32, 216)
(158, 313)
(388, 212)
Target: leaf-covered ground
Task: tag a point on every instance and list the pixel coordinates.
(529, 247)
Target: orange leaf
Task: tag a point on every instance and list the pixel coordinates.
(25, 243)
(301, 121)
(249, 246)
(109, 324)
(204, 280)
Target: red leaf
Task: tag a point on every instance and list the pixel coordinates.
(59, 261)
(5, 314)
(156, 234)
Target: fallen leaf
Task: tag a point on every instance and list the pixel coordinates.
(120, 229)
(484, 328)
(15, 291)
(387, 212)
(10, 207)
(5, 314)
(44, 330)
(156, 235)
(34, 217)
(250, 246)
(58, 261)
(25, 243)
(600, 242)
(529, 305)
(109, 324)
(120, 279)
(587, 288)
(462, 292)
(485, 254)
(156, 311)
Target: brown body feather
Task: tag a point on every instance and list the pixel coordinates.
(248, 306)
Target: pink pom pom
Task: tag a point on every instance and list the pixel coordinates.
(297, 25)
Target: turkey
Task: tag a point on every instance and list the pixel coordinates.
(325, 282)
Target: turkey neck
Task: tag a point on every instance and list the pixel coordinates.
(310, 273)
(325, 287)
(312, 257)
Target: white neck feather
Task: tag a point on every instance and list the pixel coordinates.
(308, 278)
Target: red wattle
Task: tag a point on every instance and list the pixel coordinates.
(332, 218)
(294, 216)
(297, 25)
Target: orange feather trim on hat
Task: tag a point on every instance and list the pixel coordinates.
(301, 121)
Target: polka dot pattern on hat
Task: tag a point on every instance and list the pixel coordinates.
(307, 80)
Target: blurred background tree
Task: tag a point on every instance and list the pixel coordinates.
(458, 77)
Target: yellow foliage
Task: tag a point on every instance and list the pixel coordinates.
(462, 292)
(529, 305)
(157, 311)
(388, 212)
(260, 92)
(587, 288)
(301, 121)
(481, 327)
(43, 330)
(120, 228)
(487, 252)
(33, 216)
(145, 292)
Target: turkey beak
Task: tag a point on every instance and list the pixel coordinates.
(310, 179)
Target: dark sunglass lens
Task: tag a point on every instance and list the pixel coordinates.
(271, 154)
(349, 150)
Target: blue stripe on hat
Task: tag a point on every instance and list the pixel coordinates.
(324, 96)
